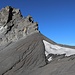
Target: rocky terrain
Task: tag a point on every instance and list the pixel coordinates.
(25, 51)
(14, 26)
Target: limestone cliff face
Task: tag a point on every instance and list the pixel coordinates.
(13, 26)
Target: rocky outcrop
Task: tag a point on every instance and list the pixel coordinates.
(21, 46)
(13, 26)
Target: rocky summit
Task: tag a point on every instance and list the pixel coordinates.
(25, 51)
(13, 26)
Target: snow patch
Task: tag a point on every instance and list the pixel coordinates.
(50, 59)
(2, 29)
(55, 49)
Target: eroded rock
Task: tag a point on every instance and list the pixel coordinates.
(13, 26)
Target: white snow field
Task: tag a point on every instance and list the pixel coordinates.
(56, 49)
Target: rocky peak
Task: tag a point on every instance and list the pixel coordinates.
(13, 26)
(7, 13)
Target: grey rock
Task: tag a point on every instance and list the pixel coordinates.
(23, 56)
(13, 26)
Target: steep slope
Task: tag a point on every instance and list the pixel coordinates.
(23, 56)
(25, 51)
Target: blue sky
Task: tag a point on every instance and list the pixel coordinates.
(56, 18)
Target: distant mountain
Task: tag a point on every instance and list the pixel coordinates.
(25, 51)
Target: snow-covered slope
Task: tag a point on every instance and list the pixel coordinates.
(55, 49)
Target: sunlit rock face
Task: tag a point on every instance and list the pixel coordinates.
(13, 26)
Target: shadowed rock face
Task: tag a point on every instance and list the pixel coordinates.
(22, 50)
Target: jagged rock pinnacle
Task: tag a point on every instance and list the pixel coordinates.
(14, 26)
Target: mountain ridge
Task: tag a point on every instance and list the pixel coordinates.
(25, 51)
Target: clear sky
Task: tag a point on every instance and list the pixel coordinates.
(56, 18)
